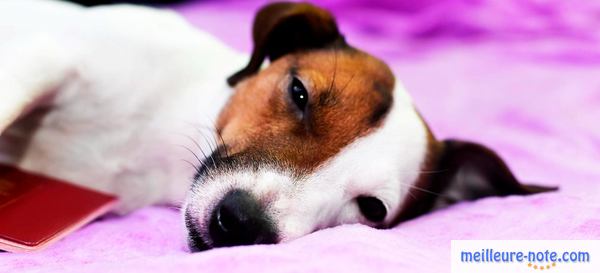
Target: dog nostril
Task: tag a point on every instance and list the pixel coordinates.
(227, 221)
(239, 219)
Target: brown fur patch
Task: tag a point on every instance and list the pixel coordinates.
(349, 94)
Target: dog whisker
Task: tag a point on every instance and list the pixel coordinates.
(433, 172)
(211, 146)
(347, 83)
(334, 70)
(190, 150)
(422, 189)
(223, 143)
(191, 164)
(219, 136)
(207, 141)
(411, 195)
(198, 146)
(212, 131)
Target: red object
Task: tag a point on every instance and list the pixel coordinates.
(36, 210)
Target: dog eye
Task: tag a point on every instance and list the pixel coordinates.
(298, 93)
(372, 208)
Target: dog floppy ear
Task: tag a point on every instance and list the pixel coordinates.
(470, 171)
(465, 171)
(283, 28)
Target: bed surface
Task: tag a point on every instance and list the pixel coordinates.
(520, 76)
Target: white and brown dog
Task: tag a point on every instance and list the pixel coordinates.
(323, 135)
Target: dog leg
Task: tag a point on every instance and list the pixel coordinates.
(31, 69)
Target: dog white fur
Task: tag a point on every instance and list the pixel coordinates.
(124, 88)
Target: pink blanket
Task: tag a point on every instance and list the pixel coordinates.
(521, 76)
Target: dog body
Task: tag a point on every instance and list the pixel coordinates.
(105, 96)
(322, 136)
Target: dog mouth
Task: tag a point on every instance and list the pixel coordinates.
(238, 219)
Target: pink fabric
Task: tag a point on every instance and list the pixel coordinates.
(521, 76)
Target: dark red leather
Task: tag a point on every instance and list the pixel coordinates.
(35, 209)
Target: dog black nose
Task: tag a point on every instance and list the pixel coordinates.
(239, 219)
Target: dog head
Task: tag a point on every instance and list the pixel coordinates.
(323, 136)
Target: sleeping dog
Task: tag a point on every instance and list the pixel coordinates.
(115, 97)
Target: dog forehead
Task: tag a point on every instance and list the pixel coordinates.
(347, 84)
(343, 59)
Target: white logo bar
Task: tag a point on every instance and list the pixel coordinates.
(534, 256)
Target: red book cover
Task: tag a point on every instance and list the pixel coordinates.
(36, 210)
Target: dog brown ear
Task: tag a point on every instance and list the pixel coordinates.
(465, 171)
(283, 28)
